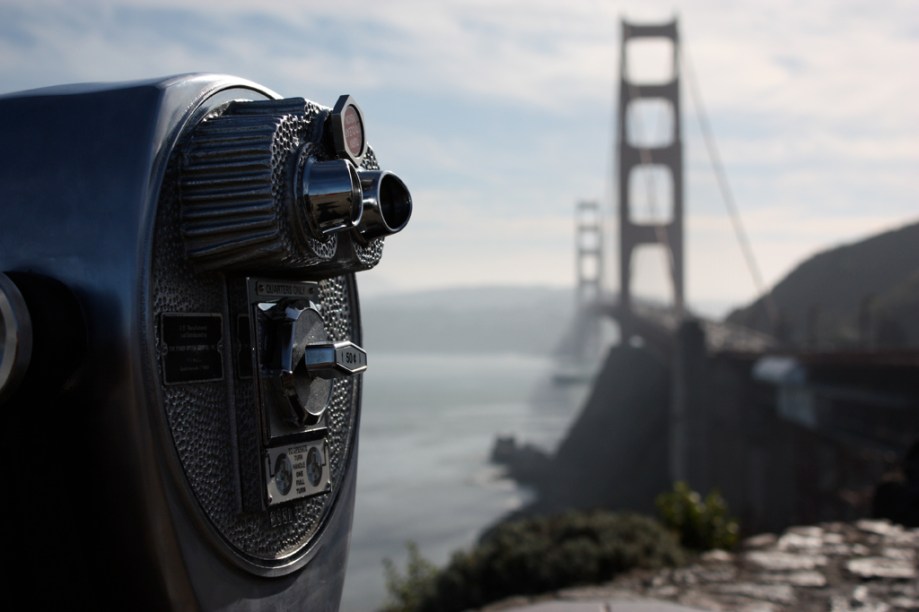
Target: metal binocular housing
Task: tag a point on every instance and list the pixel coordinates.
(180, 341)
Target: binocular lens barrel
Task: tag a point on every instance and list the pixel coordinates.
(387, 204)
(337, 197)
(332, 194)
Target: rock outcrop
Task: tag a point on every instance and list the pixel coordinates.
(838, 567)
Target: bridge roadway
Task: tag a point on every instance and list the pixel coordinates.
(657, 327)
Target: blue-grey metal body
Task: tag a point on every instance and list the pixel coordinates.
(108, 522)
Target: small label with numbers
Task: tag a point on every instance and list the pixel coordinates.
(351, 357)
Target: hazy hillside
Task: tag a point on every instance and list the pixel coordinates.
(469, 320)
(860, 294)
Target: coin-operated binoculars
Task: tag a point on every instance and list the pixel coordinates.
(180, 341)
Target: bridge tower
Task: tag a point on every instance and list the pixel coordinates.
(589, 236)
(632, 156)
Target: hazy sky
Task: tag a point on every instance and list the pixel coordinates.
(498, 114)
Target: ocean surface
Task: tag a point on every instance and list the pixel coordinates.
(428, 425)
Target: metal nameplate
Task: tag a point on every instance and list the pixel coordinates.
(279, 290)
(192, 345)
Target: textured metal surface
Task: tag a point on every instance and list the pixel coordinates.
(203, 417)
(236, 188)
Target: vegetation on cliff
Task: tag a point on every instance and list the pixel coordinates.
(531, 556)
(701, 524)
(545, 553)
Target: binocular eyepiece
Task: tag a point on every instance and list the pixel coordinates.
(368, 203)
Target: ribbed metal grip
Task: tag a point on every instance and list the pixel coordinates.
(239, 210)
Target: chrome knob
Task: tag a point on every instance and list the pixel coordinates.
(300, 361)
(334, 359)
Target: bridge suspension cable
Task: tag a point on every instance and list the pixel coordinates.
(727, 195)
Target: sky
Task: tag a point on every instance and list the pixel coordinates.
(499, 116)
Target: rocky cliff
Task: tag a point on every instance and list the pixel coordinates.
(859, 295)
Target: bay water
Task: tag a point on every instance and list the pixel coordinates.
(428, 424)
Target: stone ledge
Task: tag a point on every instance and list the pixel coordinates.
(837, 567)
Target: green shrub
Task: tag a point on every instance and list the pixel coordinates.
(409, 591)
(700, 525)
(532, 556)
